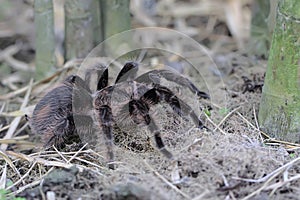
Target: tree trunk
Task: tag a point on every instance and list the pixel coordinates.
(279, 114)
(45, 38)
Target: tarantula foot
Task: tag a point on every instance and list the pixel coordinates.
(166, 153)
(27, 118)
(111, 166)
(202, 127)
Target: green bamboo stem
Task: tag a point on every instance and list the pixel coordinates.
(45, 38)
(279, 113)
(116, 19)
(97, 22)
(78, 28)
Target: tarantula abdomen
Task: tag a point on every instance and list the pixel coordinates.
(52, 116)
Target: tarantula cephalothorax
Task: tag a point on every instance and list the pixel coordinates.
(71, 109)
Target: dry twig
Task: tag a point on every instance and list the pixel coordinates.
(167, 182)
(17, 120)
(267, 179)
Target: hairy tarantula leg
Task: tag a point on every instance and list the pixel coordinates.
(160, 93)
(139, 112)
(128, 72)
(103, 81)
(106, 119)
(154, 77)
(76, 81)
(158, 140)
(153, 97)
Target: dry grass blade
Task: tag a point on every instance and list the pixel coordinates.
(80, 150)
(175, 176)
(7, 56)
(256, 123)
(4, 128)
(40, 160)
(91, 164)
(6, 33)
(275, 172)
(53, 153)
(201, 196)
(13, 93)
(227, 185)
(138, 10)
(54, 163)
(224, 119)
(68, 65)
(21, 189)
(269, 140)
(10, 163)
(15, 139)
(167, 182)
(183, 10)
(17, 120)
(267, 179)
(13, 126)
(288, 145)
(17, 113)
(19, 155)
(18, 65)
(3, 177)
(250, 124)
(215, 125)
(11, 50)
(64, 164)
(22, 178)
(58, 152)
(30, 185)
(280, 184)
(2, 108)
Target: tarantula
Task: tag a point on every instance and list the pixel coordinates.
(71, 108)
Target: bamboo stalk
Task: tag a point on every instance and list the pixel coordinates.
(78, 28)
(45, 38)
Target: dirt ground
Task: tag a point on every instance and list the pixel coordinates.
(235, 160)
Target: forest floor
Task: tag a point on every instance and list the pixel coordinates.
(235, 160)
